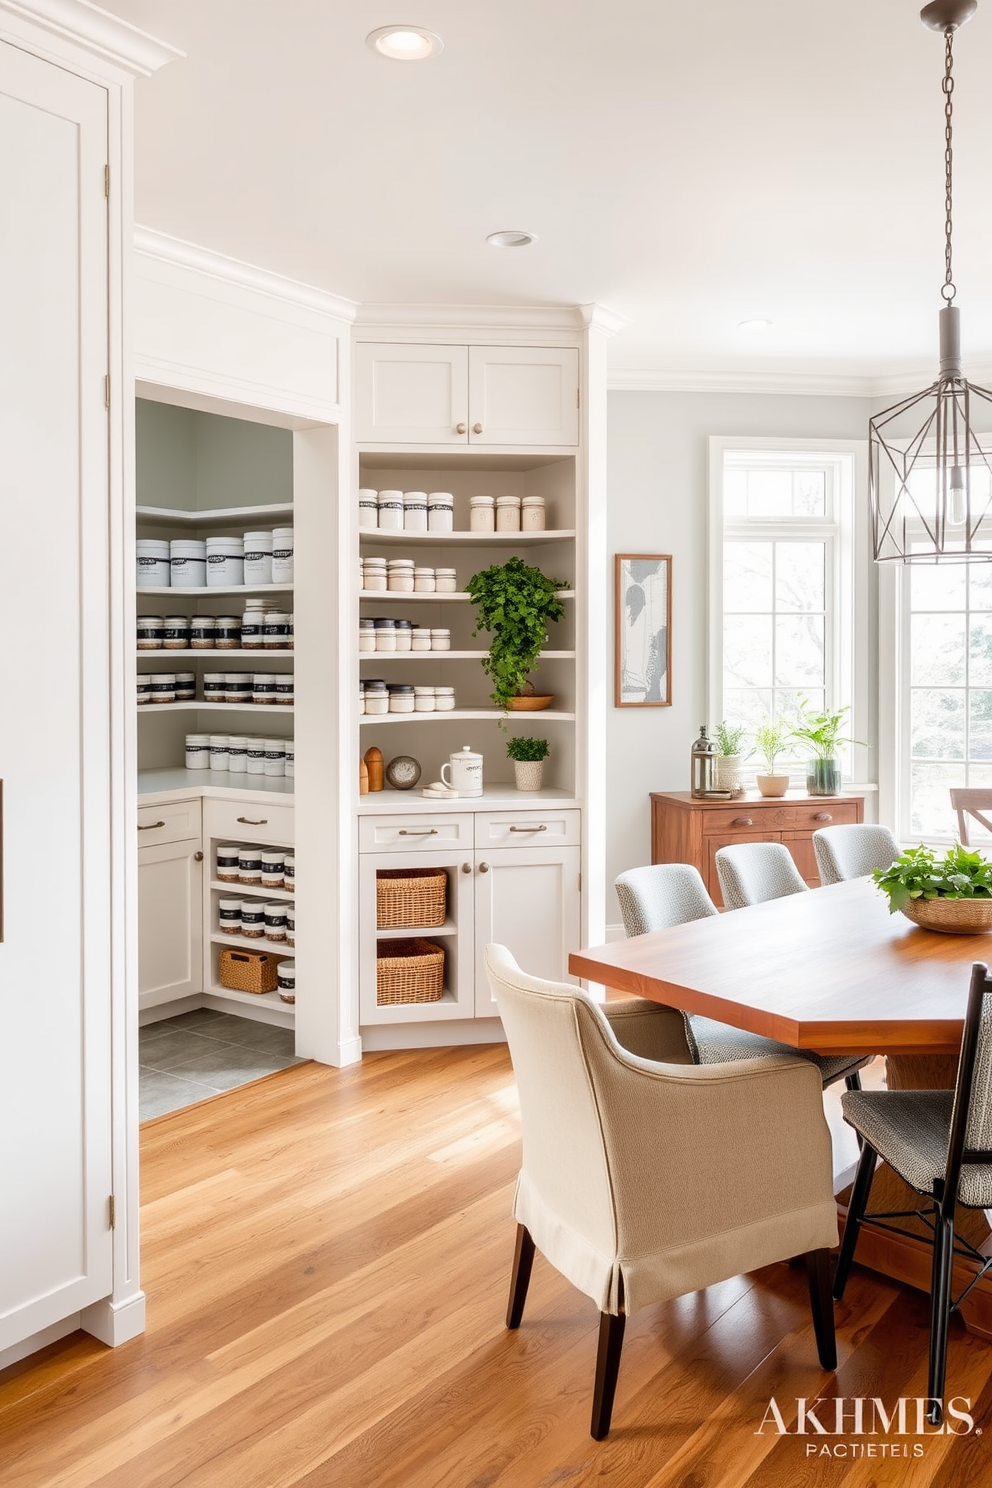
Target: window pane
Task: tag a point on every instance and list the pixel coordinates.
(749, 706)
(747, 651)
(734, 493)
(937, 723)
(799, 575)
(979, 585)
(930, 810)
(980, 725)
(980, 652)
(799, 651)
(788, 701)
(938, 649)
(936, 586)
(747, 576)
(769, 493)
(809, 493)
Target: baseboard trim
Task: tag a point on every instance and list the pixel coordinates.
(114, 1323)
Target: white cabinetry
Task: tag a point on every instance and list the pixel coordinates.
(170, 904)
(476, 395)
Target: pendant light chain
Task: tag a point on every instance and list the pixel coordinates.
(949, 289)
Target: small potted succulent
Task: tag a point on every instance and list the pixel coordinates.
(732, 750)
(952, 893)
(770, 738)
(528, 756)
(822, 732)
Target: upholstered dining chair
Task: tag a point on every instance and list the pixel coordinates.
(852, 850)
(940, 1143)
(629, 1185)
(752, 872)
(665, 894)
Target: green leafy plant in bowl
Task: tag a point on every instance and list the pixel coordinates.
(515, 603)
(952, 893)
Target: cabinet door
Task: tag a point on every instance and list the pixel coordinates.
(411, 394)
(170, 922)
(526, 898)
(523, 395)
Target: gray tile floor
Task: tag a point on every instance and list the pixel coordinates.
(185, 1059)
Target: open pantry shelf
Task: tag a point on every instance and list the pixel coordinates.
(233, 890)
(221, 516)
(252, 999)
(466, 539)
(391, 656)
(466, 715)
(246, 943)
(160, 653)
(216, 590)
(420, 931)
(151, 708)
(393, 596)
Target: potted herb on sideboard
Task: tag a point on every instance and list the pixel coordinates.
(732, 751)
(770, 738)
(515, 603)
(822, 732)
(528, 756)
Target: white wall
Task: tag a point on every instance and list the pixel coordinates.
(657, 503)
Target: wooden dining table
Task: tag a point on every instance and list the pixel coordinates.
(832, 971)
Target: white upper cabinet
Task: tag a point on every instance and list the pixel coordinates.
(457, 395)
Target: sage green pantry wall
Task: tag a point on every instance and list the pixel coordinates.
(658, 493)
(194, 460)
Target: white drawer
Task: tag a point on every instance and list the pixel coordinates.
(173, 821)
(415, 833)
(249, 821)
(538, 828)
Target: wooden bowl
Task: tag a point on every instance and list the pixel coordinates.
(529, 704)
(951, 916)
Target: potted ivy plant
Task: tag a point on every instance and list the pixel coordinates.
(952, 893)
(823, 732)
(515, 603)
(528, 756)
(732, 751)
(770, 738)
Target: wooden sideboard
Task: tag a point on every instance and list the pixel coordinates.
(686, 829)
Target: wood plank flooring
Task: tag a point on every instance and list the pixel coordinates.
(326, 1256)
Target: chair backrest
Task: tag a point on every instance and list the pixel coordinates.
(968, 801)
(853, 850)
(751, 872)
(664, 894)
(969, 1150)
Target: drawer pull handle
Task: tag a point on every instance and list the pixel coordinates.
(541, 828)
(421, 832)
(483, 867)
(151, 826)
(742, 821)
(251, 821)
(822, 816)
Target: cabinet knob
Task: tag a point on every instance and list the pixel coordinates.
(460, 428)
(198, 857)
(476, 428)
(742, 821)
(822, 816)
(150, 826)
(466, 867)
(483, 867)
(254, 821)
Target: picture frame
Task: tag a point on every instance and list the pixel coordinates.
(643, 630)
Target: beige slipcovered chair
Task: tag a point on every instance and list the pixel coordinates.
(852, 850)
(753, 872)
(667, 894)
(644, 1176)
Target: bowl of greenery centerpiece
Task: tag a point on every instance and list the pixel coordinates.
(952, 894)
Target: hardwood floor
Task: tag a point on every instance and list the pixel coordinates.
(326, 1256)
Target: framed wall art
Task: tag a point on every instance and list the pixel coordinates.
(643, 645)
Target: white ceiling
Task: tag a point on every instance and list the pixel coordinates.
(686, 165)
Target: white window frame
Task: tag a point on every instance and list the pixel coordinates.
(846, 675)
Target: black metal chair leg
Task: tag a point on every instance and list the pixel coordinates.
(821, 1305)
(523, 1260)
(611, 1328)
(860, 1195)
(940, 1310)
(853, 1082)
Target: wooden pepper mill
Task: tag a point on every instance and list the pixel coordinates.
(374, 765)
(363, 778)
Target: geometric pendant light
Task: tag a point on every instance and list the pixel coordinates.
(930, 456)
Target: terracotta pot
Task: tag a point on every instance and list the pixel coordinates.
(772, 785)
(528, 774)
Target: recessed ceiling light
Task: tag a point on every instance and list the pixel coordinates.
(754, 325)
(405, 43)
(511, 237)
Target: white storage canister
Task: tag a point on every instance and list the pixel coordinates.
(225, 560)
(151, 632)
(404, 635)
(366, 635)
(361, 697)
(163, 687)
(290, 928)
(482, 514)
(214, 687)
(423, 699)
(532, 514)
(290, 766)
(188, 560)
(286, 978)
(440, 511)
(263, 687)
(423, 581)
(385, 634)
(251, 625)
(507, 513)
(229, 916)
(282, 555)
(400, 578)
(401, 698)
(445, 580)
(176, 636)
(198, 758)
(185, 687)
(258, 558)
(389, 506)
(202, 632)
(376, 696)
(238, 687)
(421, 638)
(237, 754)
(289, 868)
(218, 751)
(415, 511)
(284, 689)
(275, 631)
(444, 699)
(250, 865)
(252, 918)
(275, 756)
(368, 515)
(374, 573)
(227, 856)
(440, 638)
(144, 688)
(227, 633)
(272, 867)
(153, 563)
(275, 922)
(256, 756)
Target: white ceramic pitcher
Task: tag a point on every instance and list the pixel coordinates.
(464, 772)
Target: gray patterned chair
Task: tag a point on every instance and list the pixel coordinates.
(753, 872)
(852, 851)
(666, 894)
(644, 1177)
(940, 1143)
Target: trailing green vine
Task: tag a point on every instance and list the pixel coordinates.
(515, 604)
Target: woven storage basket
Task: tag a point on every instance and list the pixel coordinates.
(415, 898)
(408, 971)
(248, 971)
(951, 916)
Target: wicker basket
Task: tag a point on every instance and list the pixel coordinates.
(414, 898)
(408, 971)
(248, 971)
(951, 916)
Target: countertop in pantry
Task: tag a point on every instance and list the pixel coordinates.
(179, 784)
(494, 798)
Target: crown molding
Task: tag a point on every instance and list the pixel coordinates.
(97, 31)
(785, 384)
(374, 314)
(149, 243)
(600, 318)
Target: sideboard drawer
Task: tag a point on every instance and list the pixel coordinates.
(249, 821)
(811, 816)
